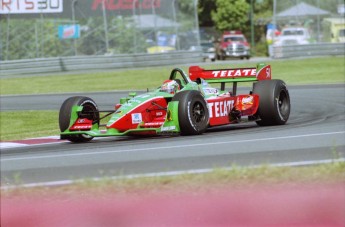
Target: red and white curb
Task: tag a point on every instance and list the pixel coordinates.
(29, 142)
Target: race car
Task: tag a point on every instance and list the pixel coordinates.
(182, 105)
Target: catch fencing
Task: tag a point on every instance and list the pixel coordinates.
(54, 28)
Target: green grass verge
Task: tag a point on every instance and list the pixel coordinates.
(301, 71)
(28, 124)
(218, 178)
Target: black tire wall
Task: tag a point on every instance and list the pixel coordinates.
(274, 102)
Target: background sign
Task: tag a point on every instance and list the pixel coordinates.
(91, 8)
(30, 6)
(71, 31)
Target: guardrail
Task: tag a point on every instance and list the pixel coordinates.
(316, 49)
(87, 63)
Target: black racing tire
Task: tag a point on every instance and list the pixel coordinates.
(193, 113)
(90, 111)
(274, 102)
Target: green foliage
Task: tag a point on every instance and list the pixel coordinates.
(204, 9)
(36, 38)
(31, 39)
(122, 37)
(261, 49)
(94, 39)
(230, 14)
(186, 6)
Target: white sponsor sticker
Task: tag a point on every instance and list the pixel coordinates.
(211, 91)
(168, 128)
(136, 118)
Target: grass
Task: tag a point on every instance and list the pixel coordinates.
(301, 71)
(236, 176)
(28, 124)
(196, 183)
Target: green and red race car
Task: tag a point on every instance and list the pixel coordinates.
(182, 105)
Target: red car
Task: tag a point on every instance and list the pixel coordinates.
(233, 44)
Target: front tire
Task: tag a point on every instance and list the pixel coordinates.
(274, 102)
(90, 111)
(193, 113)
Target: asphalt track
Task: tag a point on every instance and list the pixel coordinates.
(315, 131)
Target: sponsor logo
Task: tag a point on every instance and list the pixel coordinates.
(144, 96)
(234, 73)
(136, 118)
(153, 123)
(220, 109)
(168, 128)
(126, 4)
(127, 104)
(69, 31)
(135, 101)
(211, 91)
(81, 127)
(247, 100)
(81, 120)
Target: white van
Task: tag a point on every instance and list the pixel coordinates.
(293, 36)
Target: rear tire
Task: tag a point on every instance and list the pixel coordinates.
(192, 112)
(90, 111)
(274, 102)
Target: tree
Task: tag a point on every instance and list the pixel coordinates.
(204, 8)
(230, 14)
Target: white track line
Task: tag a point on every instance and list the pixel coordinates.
(175, 146)
(170, 173)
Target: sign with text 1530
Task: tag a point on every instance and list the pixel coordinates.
(30, 6)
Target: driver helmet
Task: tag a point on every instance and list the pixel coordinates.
(170, 86)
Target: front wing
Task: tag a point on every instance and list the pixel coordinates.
(169, 127)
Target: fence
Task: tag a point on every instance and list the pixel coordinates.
(52, 28)
(87, 63)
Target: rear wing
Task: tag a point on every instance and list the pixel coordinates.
(261, 72)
